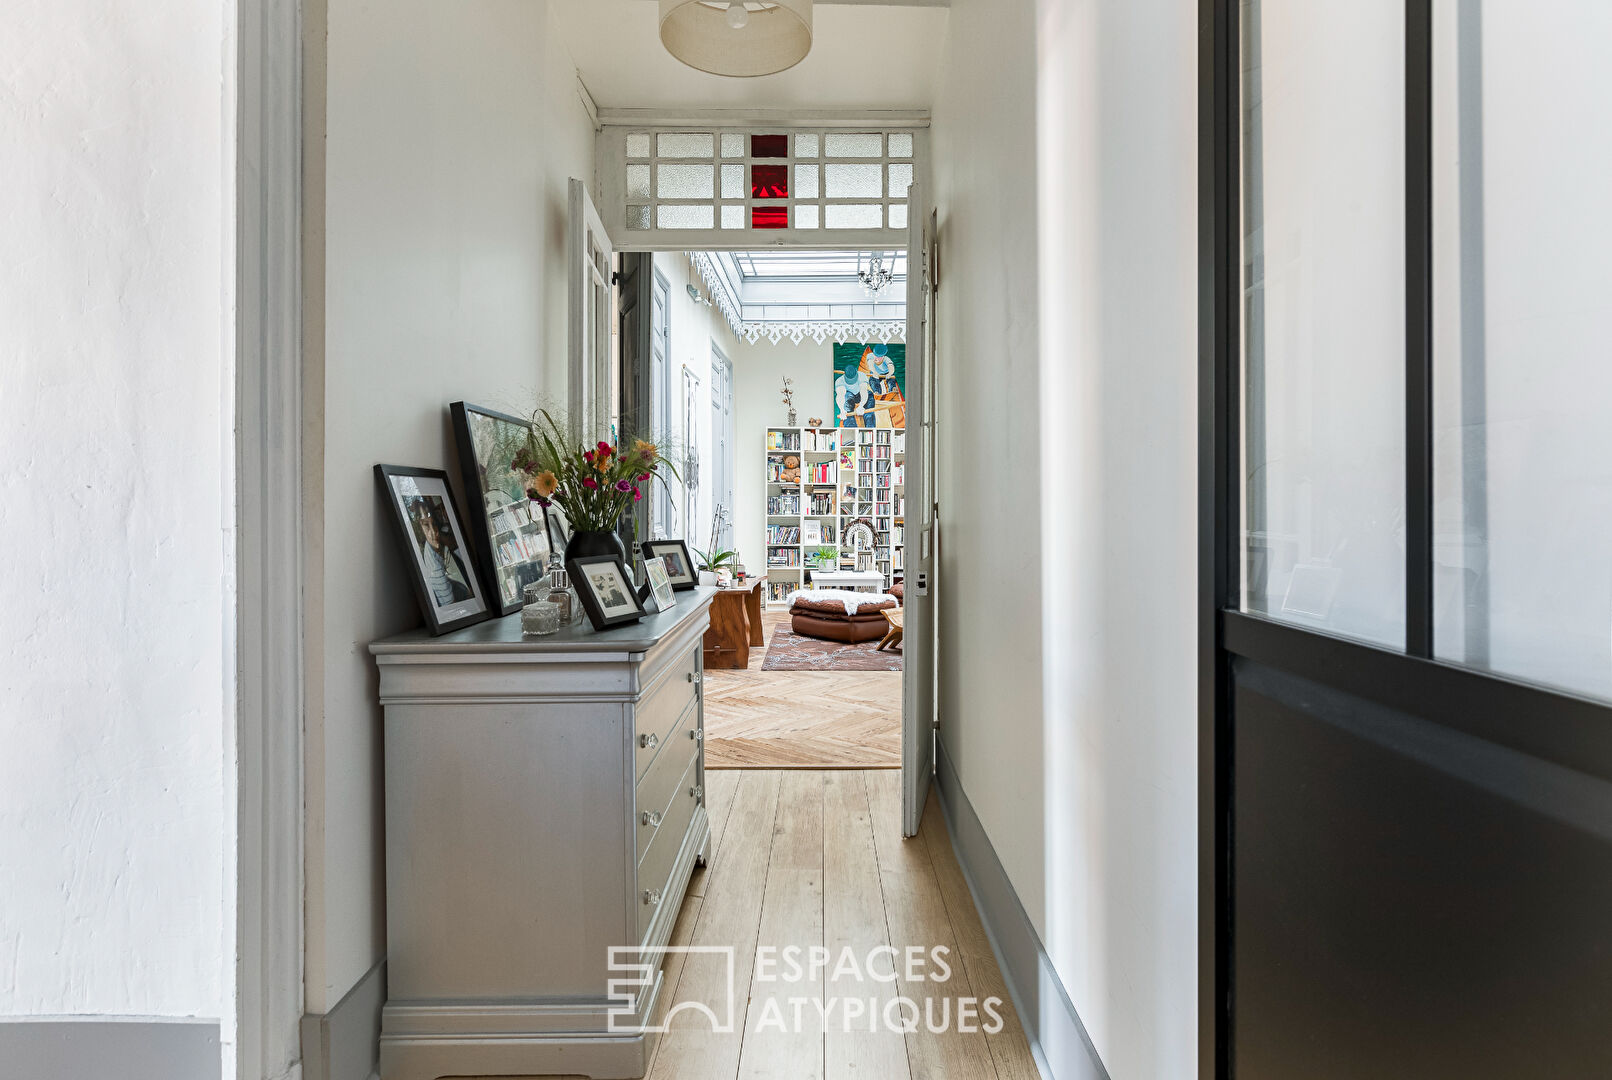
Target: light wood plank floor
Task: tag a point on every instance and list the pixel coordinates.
(816, 859)
(801, 719)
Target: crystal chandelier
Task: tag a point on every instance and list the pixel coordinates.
(877, 277)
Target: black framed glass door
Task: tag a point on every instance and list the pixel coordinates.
(1405, 618)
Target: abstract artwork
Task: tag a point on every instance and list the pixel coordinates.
(870, 386)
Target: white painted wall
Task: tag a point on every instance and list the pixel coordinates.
(116, 387)
(1067, 396)
(452, 131)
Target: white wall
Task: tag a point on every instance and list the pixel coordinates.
(451, 132)
(1067, 345)
(115, 384)
(758, 372)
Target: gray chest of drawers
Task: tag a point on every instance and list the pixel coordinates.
(544, 805)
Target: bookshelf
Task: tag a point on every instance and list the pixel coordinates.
(847, 475)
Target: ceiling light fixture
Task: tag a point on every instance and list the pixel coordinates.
(877, 277)
(737, 39)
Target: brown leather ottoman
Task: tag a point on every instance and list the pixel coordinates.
(827, 619)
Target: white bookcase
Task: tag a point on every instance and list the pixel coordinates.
(847, 475)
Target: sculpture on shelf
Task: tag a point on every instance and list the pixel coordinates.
(814, 421)
(788, 393)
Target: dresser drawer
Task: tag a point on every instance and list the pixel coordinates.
(655, 790)
(655, 716)
(655, 868)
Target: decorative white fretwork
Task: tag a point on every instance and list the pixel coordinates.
(834, 328)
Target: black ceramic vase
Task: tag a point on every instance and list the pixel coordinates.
(586, 542)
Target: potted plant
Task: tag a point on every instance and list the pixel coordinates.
(594, 485)
(716, 567)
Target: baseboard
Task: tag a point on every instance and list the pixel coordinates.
(1062, 1048)
(344, 1043)
(109, 1048)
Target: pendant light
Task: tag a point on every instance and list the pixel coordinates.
(740, 39)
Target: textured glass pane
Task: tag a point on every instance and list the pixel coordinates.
(806, 145)
(769, 146)
(769, 217)
(732, 217)
(806, 216)
(853, 181)
(854, 216)
(637, 217)
(900, 180)
(848, 145)
(805, 181)
(684, 182)
(732, 144)
(1522, 380)
(898, 215)
(733, 181)
(1324, 254)
(769, 181)
(638, 146)
(685, 217)
(901, 144)
(675, 144)
(638, 181)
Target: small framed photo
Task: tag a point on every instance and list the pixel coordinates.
(606, 590)
(659, 584)
(436, 546)
(679, 567)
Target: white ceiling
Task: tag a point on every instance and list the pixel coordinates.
(874, 56)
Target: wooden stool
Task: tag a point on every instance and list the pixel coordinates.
(893, 617)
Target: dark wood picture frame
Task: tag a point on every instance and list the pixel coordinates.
(679, 583)
(578, 568)
(404, 530)
(471, 473)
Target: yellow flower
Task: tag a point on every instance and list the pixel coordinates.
(546, 483)
(648, 449)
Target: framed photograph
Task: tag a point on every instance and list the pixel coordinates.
(659, 584)
(679, 567)
(513, 536)
(434, 543)
(606, 590)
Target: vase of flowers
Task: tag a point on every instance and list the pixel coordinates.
(594, 485)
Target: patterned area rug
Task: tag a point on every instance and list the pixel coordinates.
(790, 651)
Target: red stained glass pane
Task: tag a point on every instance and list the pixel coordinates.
(769, 217)
(769, 181)
(769, 146)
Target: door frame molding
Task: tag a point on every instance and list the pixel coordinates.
(267, 713)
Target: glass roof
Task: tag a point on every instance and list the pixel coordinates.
(813, 265)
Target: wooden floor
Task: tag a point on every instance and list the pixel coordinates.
(801, 719)
(816, 858)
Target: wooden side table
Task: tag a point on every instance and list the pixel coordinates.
(735, 624)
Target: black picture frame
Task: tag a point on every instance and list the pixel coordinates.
(596, 605)
(669, 549)
(514, 538)
(414, 495)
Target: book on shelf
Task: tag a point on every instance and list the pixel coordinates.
(811, 533)
(823, 502)
(783, 440)
(783, 506)
(783, 534)
(822, 440)
(784, 557)
(899, 442)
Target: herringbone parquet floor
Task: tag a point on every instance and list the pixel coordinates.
(758, 719)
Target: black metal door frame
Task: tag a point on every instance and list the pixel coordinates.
(1548, 725)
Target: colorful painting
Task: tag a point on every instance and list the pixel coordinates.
(870, 386)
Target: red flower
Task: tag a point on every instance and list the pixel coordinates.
(604, 449)
(637, 495)
(642, 477)
(587, 455)
(590, 483)
(623, 486)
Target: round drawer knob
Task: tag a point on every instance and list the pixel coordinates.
(651, 897)
(652, 818)
(649, 741)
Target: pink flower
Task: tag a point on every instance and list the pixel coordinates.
(590, 483)
(637, 495)
(642, 477)
(623, 486)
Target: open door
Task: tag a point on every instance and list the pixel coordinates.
(917, 643)
(589, 261)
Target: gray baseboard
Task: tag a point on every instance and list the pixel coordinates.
(343, 1044)
(109, 1048)
(1062, 1048)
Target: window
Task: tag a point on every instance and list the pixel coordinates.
(1324, 311)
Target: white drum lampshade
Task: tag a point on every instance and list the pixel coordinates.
(758, 39)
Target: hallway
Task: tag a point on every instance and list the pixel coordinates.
(815, 858)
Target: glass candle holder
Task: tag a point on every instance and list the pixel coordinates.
(539, 618)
